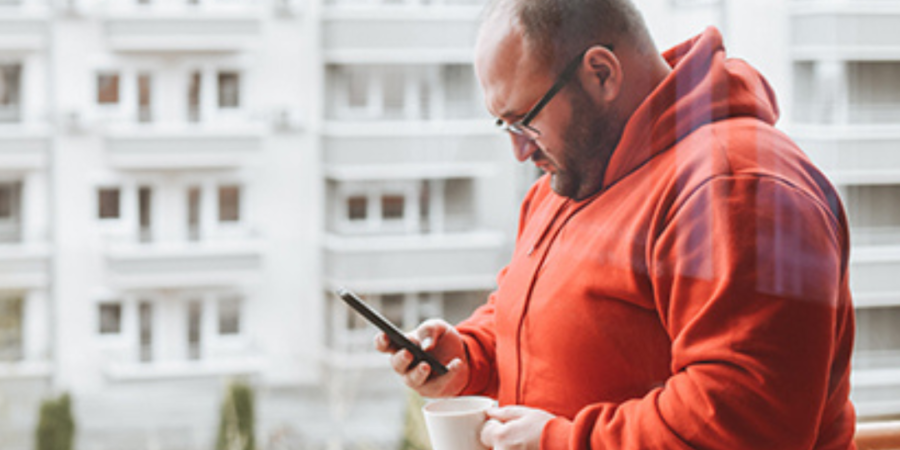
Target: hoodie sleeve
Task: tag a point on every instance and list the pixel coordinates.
(748, 274)
(480, 341)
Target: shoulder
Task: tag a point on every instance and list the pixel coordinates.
(750, 149)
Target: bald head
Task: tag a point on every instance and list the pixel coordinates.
(556, 30)
(566, 76)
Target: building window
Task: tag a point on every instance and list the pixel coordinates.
(193, 213)
(392, 206)
(10, 86)
(357, 88)
(108, 200)
(145, 319)
(230, 316)
(378, 207)
(194, 334)
(357, 207)
(393, 307)
(10, 211)
(194, 86)
(229, 203)
(460, 92)
(229, 90)
(9, 200)
(11, 318)
(110, 318)
(394, 94)
(145, 211)
(874, 217)
(108, 89)
(145, 107)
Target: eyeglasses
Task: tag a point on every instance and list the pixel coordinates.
(522, 132)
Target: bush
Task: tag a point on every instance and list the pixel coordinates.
(56, 427)
(415, 435)
(236, 427)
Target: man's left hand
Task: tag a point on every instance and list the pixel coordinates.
(514, 428)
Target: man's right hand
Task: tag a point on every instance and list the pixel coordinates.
(444, 343)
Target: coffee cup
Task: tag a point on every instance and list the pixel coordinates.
(455, 423)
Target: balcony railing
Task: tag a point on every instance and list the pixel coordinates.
(857, 30)
(23, 25)
(355, 147)
(10, 113)
(874, 281)
(853, 153)
(183, 265)
(10, 233)
(827, 113)
(134, 146)
(878, 435)
(467, 261)
(183, 26)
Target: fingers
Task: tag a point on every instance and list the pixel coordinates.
(383, 344)
(497, 429)
(515, 427)
(426, 335)
(416, 377)
(492, 433)
(506, 413)
(401, 360)
(429, 332)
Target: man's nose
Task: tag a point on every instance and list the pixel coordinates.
(523, 147)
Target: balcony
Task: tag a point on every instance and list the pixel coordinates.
(466, 261)
(380, 33)
(843, 29)
(23, 148)
(874, 282)
(183, 27)
(876, 391)
(23, 25)
(24, 266)
(161, 148)
(183, 265)
(369, 144)
(25, 370)
(162, 370)
(853, 154)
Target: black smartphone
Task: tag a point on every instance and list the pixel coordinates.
(393, 333)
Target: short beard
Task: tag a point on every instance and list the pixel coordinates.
(591, 136)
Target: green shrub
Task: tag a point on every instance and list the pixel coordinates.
(237, 423)
(415, 435)
(56, 427)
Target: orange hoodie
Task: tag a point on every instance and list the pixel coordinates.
(699, 301)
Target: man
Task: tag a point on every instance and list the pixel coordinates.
(680, 273)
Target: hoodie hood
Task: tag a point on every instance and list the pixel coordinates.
(704, 87)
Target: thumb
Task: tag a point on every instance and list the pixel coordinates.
(429, 332)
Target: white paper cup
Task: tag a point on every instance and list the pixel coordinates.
(455, 423)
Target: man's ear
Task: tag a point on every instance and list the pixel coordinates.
(601, 74)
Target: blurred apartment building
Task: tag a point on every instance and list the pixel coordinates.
(846, 116)
(183, 183)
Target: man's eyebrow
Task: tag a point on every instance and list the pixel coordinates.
(509, 116)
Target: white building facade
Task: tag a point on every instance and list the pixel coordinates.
(184, 183)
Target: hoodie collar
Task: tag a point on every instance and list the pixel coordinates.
(703, 87)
